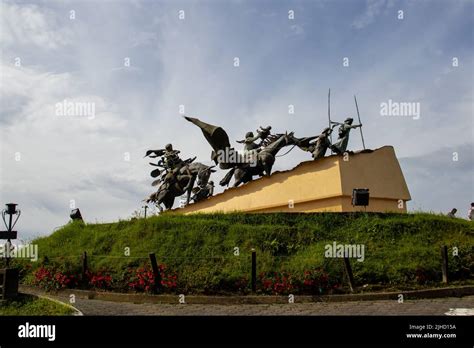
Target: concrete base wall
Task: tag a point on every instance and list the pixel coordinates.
(315, 186)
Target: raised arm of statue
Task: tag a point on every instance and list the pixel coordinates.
(251, 140)
(156, 153)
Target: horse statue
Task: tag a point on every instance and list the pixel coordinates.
(182, 183)
(265, 159)
(242, 172)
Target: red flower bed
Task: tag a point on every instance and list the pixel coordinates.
(317, 281)
(99, 280)
(279, 283)
(143, 279)
(53, 279)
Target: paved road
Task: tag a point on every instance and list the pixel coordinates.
(441, 306)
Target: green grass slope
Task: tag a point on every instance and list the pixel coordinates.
(26, 305)
(401, 250)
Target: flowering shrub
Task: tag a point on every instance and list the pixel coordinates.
(424, 276)
(50, 278)
(241, 284)
(317, 280)
(278, 283)
(99, 280)
(143, 279)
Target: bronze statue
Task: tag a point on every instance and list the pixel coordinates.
(320, 144)
(343, 140)
(249, 140)
(181, 184)
(171, 158)
(177, 177)
(203, 191)
(172, 164)
(244, 172)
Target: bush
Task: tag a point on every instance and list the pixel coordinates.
(50, 278)
(143, 280)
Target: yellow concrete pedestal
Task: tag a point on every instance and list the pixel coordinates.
(322, 185)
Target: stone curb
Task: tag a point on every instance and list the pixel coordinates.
(256, 299)
(39, 294)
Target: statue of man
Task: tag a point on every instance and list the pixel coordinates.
(343, 140)
(203, 191)
(250, 139)
(319, 147)
(173, 163)
(171, 158)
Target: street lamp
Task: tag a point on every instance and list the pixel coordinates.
(9, 233)
(10, 211)
(9, 276)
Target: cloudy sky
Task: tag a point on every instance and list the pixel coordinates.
(138, 61)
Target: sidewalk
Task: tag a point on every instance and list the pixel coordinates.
(439, 306)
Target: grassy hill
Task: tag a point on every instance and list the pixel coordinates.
(401, 251)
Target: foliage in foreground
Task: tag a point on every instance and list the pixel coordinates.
(29, 305)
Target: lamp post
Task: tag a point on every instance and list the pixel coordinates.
(9, 276)
(9, 234)
(145, 207)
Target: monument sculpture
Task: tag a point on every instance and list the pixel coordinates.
(203, 191)
(319, 146)
(257, 159)
(343, 140)
(176, 177)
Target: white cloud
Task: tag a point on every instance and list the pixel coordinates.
(28, 25)
(59, 152)
(297, 29)
(436, 181)
(374, 8)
